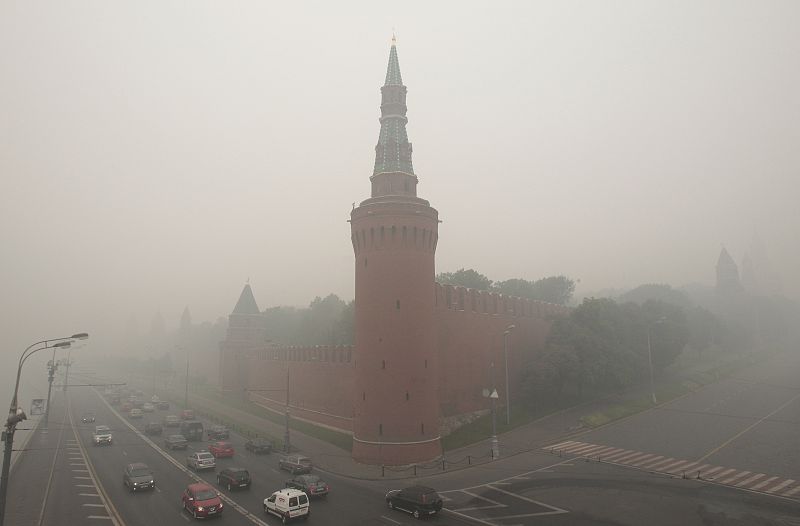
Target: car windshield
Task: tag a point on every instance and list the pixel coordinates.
(310, 479)
(205, 494)
(241, 475)
(102, 429)
(205, 456)
(140, 472)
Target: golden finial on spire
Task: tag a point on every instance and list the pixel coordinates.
(394, 38)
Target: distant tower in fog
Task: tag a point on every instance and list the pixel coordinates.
(394, 235)
(727, 273)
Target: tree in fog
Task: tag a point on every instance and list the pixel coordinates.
(468, 278)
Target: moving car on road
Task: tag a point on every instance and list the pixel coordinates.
(234, 478)
(147, 407)
(219, 433)
(137, 476)
(176, 442)
(136, 413)
(102, 435)
(187, 414)
(153, 428)
(192, 429)
(416, 500)
(172, 421)
(88, 417)
(200, 500)
(296, 464)
(287, 504)
(221, 449)
(162, 405)
(311, 485)
(201, 460)
(258, 445)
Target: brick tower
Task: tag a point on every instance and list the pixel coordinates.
(394, 235)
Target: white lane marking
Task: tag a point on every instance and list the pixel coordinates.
(681, 468)
(574, 445)
(711, 471)
(655, 465)
(780, 486)
(791, 491)
(83, 485)
(648, 461)
(726, 473)
(579, 450)
(636, 460)
(225, 498)
(555, 509)
(735, 477)
(763, 483)
(623, 459)
(604, 451)
(390, 520)
(556, 446)
(81, 478)
(88, 494)
(106, 517)
(94, 505)
(748, 480)
(494, 504)
(77, 464)
(614, 457)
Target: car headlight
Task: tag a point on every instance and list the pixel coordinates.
(199, 508)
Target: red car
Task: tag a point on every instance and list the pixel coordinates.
(187, 414)
(221, 449)
(200, 500)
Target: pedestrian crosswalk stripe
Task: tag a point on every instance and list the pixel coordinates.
(780, 486)
(749, 480)
(791, 491)
(763, 483)
(735, 477)
(674, 466)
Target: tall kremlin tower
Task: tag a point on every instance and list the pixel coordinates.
(394, 235)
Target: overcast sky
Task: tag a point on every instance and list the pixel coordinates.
(157, 154)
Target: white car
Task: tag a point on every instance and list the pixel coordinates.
(136, 413)
(287, 504)
(148, 407)
(201, 460)
(102, 435)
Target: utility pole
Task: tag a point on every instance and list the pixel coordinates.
(66, 373)
(51, 372)
(493, 396)
(505, 353)
(287, 445)
(186, 393)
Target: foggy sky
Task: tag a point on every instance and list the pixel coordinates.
(158, 154)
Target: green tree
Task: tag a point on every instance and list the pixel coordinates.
(465, 278)
(553, 289)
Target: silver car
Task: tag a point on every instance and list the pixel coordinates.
(201, 460)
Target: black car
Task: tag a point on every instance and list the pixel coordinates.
(258, 445)
(416, 500)
(163, 404)
(176, 442)
(218, 433)
(137, 477)
(311, 485)
(88, 417)
(234, 478)
(153, 428)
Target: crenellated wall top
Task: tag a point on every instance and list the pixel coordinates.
(456, 298)
(319, 354)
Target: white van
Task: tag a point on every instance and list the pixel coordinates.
(287, 504)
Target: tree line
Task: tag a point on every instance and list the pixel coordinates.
(553, 289)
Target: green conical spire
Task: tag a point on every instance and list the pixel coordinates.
(393, 151)
(393, 77)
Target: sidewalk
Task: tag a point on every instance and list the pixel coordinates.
(531, 436)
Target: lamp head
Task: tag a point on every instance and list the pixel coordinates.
(63, 345)
(80, 336)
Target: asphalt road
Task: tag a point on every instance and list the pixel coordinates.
(350, 502)
(749, 422)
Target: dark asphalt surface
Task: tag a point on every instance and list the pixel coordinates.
(750, 422)
(349, 502)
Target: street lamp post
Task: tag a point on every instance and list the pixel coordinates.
(16, 415)
(52, 366)
(650, 359)
(508, 331)
(186, 392)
